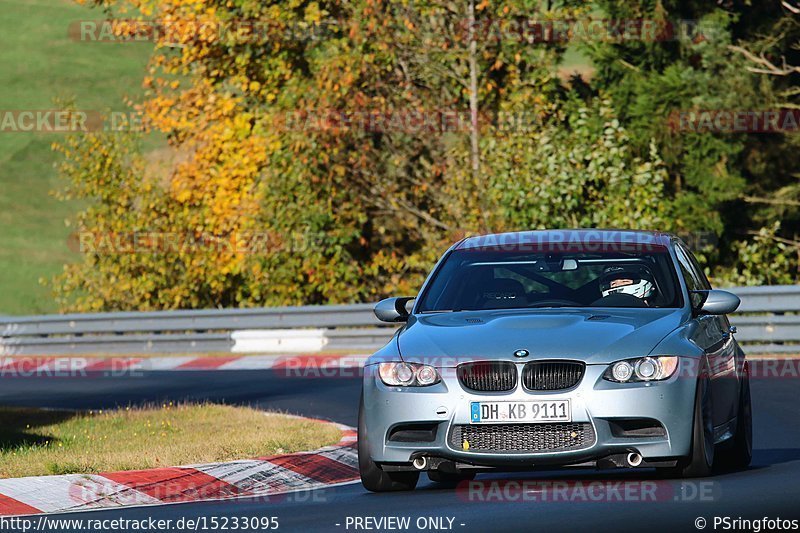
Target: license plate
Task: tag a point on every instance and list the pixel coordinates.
(520, 412)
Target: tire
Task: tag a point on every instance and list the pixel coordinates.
(740, 453)
(449, 479)
(373, 477)
(700, 462)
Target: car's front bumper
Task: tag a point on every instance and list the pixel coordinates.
(594, 401)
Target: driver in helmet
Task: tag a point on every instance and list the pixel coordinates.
(627, 279)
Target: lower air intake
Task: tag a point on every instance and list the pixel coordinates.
(522, 438)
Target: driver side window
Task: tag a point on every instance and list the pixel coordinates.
(695, 280)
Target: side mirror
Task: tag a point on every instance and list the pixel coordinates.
(715, 302)
(393, 309)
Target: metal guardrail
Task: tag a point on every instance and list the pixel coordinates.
(768, 299)
(768, 321)
(207, 330)
(308, 316)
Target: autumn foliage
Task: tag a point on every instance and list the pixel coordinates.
(308, 134)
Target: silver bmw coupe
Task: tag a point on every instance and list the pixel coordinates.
(593, 348)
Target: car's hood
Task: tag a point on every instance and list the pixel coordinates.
(594, 336)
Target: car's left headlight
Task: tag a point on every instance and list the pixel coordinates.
(642, 369)
(408, 374)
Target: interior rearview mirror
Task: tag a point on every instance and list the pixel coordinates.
(569, 264)
(393, 309)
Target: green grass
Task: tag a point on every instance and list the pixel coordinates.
(39, 65)
(35, 442)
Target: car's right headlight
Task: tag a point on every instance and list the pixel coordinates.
(642, 369)
(408, 374)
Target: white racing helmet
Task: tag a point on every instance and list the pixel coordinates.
(631, 280)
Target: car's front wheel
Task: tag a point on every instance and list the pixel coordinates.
(373, 477)
(700, 462)
(740, 452)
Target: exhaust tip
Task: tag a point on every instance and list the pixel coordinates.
(420, 463)
(634, 459)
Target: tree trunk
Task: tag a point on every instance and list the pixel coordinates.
(475, 155)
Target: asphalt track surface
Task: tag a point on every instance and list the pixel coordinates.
(769, 488)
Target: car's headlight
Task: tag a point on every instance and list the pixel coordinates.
(408, 374)
(642, 369)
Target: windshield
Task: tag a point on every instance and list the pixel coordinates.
(487, 279)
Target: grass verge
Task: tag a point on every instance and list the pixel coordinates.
(40, 64)
(35, 442)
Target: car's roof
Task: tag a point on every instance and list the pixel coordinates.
(576, 237)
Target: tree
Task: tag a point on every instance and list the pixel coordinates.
(774, 56)
(309, 133)
(717, 178)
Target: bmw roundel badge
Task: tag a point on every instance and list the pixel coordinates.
(522, 353)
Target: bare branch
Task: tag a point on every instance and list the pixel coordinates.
(379, 197)
(771, 201)
(628, 65)
(775, 238)
(765, 65)
(789, 7)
